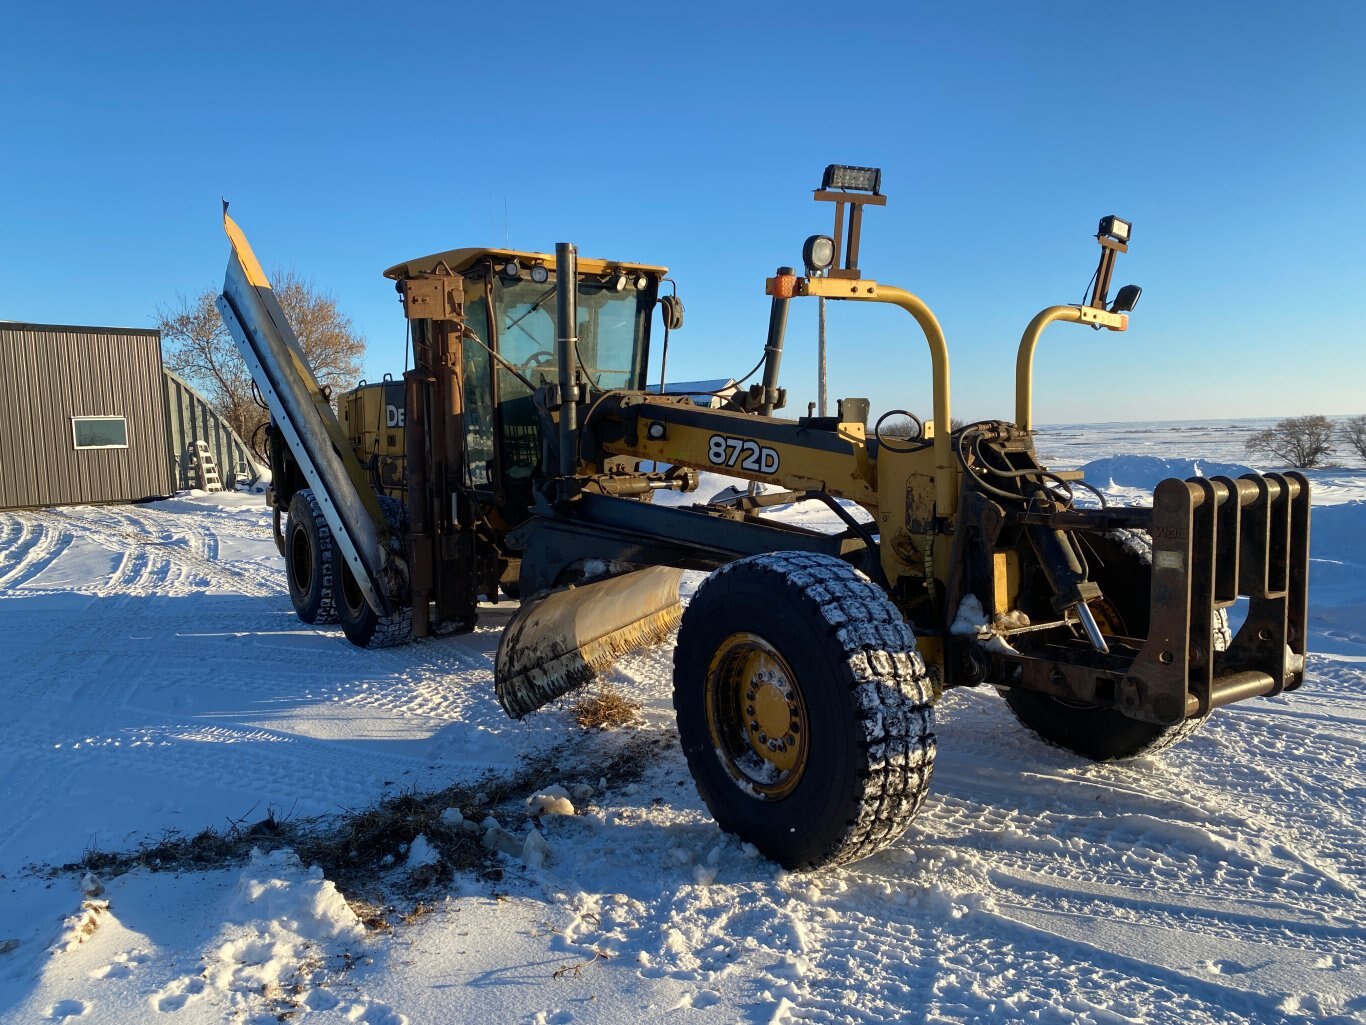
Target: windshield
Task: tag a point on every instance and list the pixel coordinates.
(611, 332)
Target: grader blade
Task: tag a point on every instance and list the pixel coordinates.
(565, 638)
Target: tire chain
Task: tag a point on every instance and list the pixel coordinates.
(893, 692)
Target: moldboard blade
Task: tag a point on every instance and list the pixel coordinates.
(565, 638)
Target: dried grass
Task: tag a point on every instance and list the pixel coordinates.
(364, 851)
(605, 709)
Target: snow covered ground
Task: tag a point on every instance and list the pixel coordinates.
(155, 680)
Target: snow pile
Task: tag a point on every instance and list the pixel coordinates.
(421, 853)
(1337, 567)
(283, 926)
(551, 801)
(971, 620)
(1146, 472)
(78, 928)
(277, 890)
(1338, 533)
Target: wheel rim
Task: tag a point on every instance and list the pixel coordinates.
(1108, 618)
(757, 716)
(301, 558)
(351, 596)
(1111, 624)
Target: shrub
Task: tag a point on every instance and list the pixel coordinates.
(1353, 433)
(1300, 441)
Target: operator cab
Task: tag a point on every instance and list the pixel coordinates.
(510, 308)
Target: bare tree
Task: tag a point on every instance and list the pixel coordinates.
(197, 346)
(900, 427)
(1353, 432)
(904, 427)
(1301, 441)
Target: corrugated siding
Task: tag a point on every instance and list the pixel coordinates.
(190, 418)
(48, 374)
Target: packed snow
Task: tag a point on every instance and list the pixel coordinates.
(156, 683)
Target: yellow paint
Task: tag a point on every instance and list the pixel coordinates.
(906, 514)
(754, 700)
(945, 475)
(849, 474)
(364, 413)
(1024, 360)
(255, 275)
(461, 260)
(931, 651)
(1005, 573)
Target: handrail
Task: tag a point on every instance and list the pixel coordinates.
(1024, 360)
(862, 290)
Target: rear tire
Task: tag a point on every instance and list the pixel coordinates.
(364, 627)
(806, 648)
(1123, 568)
(309, 560)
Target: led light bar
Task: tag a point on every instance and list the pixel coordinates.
(852, 179)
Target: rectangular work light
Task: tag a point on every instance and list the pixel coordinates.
(853, 179)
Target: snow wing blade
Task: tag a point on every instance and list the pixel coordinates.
(565, 638)
(304, 415)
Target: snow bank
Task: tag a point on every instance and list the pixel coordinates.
(1338, 532)
(1147, 472)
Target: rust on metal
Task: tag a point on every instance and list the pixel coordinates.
(1212, 541)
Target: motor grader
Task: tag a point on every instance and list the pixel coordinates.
(807, 663)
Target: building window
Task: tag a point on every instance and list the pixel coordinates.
(99, 431)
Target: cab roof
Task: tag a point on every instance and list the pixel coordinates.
(461, 260)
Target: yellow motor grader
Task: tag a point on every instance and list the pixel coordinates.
(808, 662)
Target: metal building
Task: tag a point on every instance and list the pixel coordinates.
(82, 415)
(190, 418)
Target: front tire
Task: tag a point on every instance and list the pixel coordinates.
(309, 560)
(803, 709)
(1122, 565)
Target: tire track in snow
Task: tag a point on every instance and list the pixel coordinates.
(1188, 817)
(178, 558)
(150, 629)
(27, 547)
(1025, 952)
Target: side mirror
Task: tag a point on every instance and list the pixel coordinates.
(1126, 299)
(671, 309)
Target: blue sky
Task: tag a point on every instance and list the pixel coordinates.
(349, 137)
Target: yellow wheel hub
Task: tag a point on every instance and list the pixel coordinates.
(756, 715)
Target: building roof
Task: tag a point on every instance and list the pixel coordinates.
(20, 325)
(721, 384)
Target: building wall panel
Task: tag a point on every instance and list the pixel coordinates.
(51, 373)
(190, 418)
